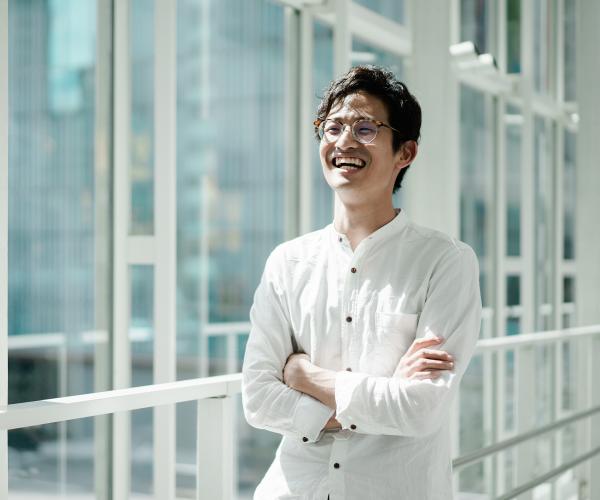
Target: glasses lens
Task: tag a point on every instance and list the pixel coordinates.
(331, 130)
(364, 131)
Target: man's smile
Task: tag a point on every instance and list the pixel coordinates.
(348, 162)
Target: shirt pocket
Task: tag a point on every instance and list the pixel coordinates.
(394, 333)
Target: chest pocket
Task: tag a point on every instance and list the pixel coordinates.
(394, 333)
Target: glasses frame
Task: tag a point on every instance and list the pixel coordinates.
(378, 123)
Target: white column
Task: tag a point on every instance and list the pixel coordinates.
(102, 227)
(165, 217)
(293, 75)
(3, 239)
(215, 452)
(525, 373)
(342, 38)
(121, 438)
(432, 187)
(306, 112)
(587, 233)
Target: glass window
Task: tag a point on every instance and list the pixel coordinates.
(477, 182)
(513, 123)
(513, 36)
(471, 423)
(142, 324)
(141, 26)
(142, 453)
(543, 42)
(229, 149)
(53, 460)
(59, 228)
(543, 216)
(513, 325)
(544, 384)
(569, 195)
(474, 22)
(569, 362)
(570, 52)
(230, 185)
(58, 251)
(392, 9)
(568, 289)
(509, 390)
(364, 53)
(513, 290)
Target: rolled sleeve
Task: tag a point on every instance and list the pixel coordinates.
(268, 403)
(397, 406)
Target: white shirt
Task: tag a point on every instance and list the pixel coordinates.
(357, 313)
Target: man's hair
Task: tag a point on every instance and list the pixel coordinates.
(404, 112)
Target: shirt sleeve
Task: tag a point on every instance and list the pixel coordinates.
(397, 406)
(269, 403)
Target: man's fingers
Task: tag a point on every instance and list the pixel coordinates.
(425, 364)
(423, 343)
(434, 354)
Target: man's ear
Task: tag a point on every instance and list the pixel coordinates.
(406, 154)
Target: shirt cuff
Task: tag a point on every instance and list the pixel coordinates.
(310, 417)
(345, 386)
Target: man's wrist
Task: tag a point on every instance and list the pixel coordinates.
(306, 377)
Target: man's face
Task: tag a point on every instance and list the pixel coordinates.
(361, 172)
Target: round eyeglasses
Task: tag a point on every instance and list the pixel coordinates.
(363, 131)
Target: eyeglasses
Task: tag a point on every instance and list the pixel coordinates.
(363, 131)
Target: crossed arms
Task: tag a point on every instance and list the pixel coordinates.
(420, 362)
(296, 398)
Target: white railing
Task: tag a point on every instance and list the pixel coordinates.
(214, 420)
(215, 415)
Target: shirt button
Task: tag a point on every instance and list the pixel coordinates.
(349, 319)
(353, 270)
(336, 465)
(340, 239)
(348, 369)
(353, 427)
(305, 439)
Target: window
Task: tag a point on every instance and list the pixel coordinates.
(58, 237)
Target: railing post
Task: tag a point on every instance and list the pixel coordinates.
(214, 449)
(525, 400)
(3, 239)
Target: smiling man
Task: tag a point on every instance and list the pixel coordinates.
(361, 331)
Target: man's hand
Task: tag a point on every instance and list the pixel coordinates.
(294, 370)
(331, 424)
(421, 362)
(302, 375)
(299, 372)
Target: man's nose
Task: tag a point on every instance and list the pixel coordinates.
(346, 138)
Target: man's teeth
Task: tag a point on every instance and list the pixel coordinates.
(348, 162)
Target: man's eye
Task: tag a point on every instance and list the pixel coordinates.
(333, 129)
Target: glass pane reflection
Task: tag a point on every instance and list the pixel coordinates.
(58, 236)
(477, 182)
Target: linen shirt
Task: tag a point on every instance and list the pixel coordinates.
(357, 312)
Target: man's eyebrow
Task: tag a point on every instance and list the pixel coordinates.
(360, 117)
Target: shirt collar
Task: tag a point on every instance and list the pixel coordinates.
(392, 228)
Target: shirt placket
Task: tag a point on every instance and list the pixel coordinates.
(337, 464)
(351, 321)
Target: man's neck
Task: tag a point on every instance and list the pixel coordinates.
(359, 221)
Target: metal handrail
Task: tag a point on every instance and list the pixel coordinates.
(529, 339)
(477, 455)
(529, 485)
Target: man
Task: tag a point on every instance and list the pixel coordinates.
(344, 355)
